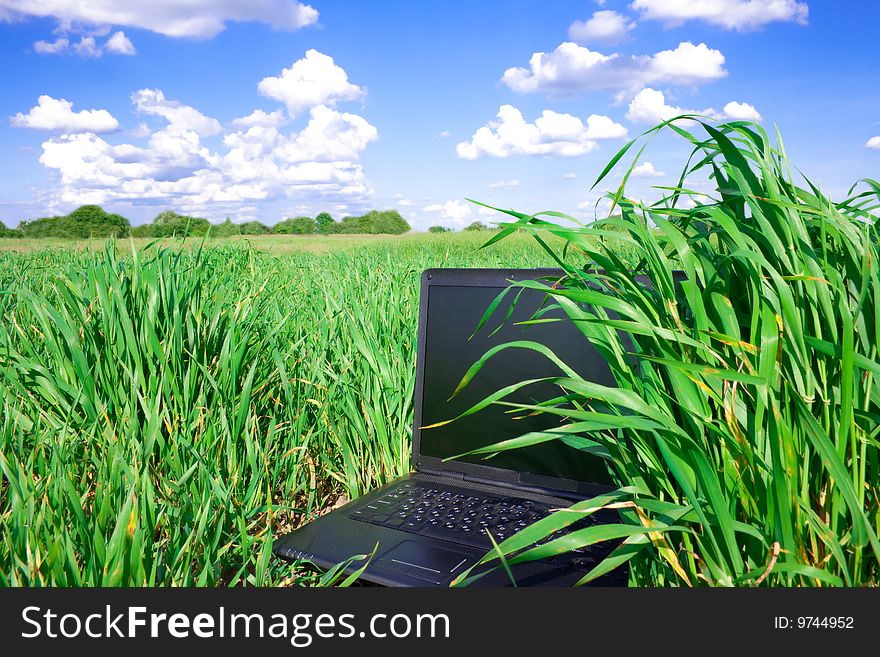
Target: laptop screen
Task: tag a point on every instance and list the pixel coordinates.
(453, 312)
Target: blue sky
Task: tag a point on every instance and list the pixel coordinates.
(142, 107)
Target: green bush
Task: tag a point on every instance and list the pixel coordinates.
(171, 224)
(226, 228)
(387, 222)
(325, 224)
(354, 226)
(87, 221)
(296, 226)
(8, 232)
(439, 229)
(374, 222)
(254, 228)
(477, 225)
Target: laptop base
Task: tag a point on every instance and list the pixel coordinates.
(415, 559)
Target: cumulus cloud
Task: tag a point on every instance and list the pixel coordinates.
(179, 116)
(729, 14)
(444, 134)
(552, 134)
(646, 170)
(604, 26)
(57, 114)
(262, 119)
(257, 158)
(142, 130)
(120, 44)
(198, 19)
(571, 175)
(504, 184)
(256, 162)
(873, 142)
(313, 80)
(55, 47)
(741, 112)
(87, 46)
(571, 68)
(457, 212)
(650, 106)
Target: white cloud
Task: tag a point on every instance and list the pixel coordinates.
(120, 44)
(59, 45)
(87, 47)
(142, 130)
(742, 112)
(602, 27)
(571, 175)
(180, 117)
(730, 14)
(570, 68)
(260, 118)
(650, 106)
(873, 142)
(257, 161)
(646, 170)
(330, 136)
(444, 134)
(194, 18)
(457, 212)
(57, 114)
(504, 184)
(552, 134)
(313, 80)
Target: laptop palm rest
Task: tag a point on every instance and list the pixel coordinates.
(421, 561)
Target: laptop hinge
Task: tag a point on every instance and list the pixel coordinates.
(516, 486)
(448, 474)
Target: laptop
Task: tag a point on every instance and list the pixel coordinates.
(432, 524)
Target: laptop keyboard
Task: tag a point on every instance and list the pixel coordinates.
(461, 517)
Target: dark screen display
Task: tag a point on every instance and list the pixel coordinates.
(453, 314)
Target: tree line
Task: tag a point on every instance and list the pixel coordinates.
(91, 221)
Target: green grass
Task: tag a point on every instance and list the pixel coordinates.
(166, 411)
(743, 431)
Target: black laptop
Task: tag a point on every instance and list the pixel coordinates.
(432, 524)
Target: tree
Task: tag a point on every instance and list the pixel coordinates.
(325, 224)
(439, 229)
(387, 221)
(254, 228)
(354, 225)
(92, 221)
(171, 224)
(225, 229)
(477, 225)
(8, 232)
(296, 226)
(85, 222)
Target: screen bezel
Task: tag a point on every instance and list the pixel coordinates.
(479, 278)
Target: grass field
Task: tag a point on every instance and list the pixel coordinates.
(166, 411)
(275, 244)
